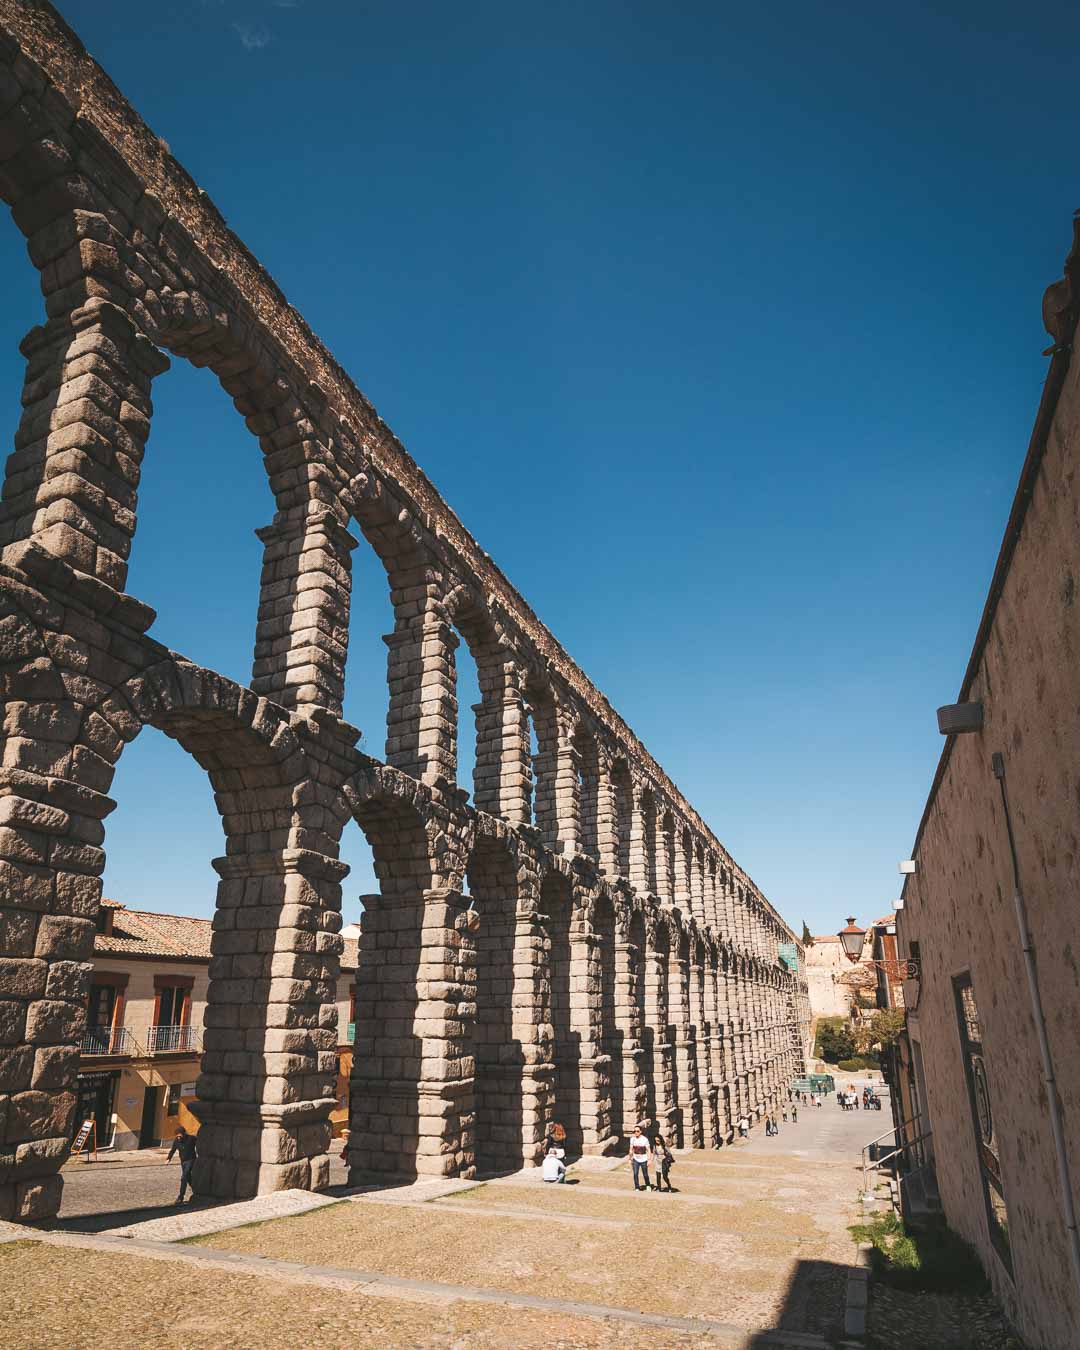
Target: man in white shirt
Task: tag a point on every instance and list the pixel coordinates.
(639, 1158)
(552, 1168)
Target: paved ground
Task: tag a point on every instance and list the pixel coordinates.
(751, 1250)
(130, 1187)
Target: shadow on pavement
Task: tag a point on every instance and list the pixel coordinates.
(121, 1218)
(813, 1304)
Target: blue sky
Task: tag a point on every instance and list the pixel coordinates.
(718, 325)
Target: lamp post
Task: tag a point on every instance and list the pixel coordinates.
(851, 940)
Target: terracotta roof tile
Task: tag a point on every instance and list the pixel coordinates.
(138, 932)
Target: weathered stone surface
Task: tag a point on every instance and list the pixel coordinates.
(572, 984)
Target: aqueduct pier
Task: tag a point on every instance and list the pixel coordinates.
(575, 945)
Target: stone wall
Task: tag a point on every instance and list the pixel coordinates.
(574, 946)
(959, 917)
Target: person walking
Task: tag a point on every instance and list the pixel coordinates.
(794, 1115)
(186, 1146)
(639, 1159)
(785, 1115)
(662, 1160)
(744, 1127)
(552, 1168)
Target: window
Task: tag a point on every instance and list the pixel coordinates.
(173, 1108)
(982, 1116)
(171, 999)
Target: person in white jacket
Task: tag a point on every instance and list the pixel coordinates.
(552, 1168)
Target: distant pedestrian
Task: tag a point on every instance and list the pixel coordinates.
(794, 1115)
(744, 1127)
(186, 1146)
(840, 1099)
(855, 1100)
(785, 1115)
(639, 1159)
(662, 1160)
(344, 1154)
(552, 1168)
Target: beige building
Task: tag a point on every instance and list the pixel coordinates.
(990, 910)
(140, 1053)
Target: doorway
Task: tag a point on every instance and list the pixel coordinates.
(95, 1094)
(148, 1135)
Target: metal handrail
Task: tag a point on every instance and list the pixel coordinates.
(879, 1164)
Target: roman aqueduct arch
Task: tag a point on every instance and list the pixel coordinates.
(575, 945)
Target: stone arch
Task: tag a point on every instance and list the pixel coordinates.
(410, 1108)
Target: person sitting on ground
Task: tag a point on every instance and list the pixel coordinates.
(552, 1168)
(186, 1145)
(639, 1159)
(662, 1161)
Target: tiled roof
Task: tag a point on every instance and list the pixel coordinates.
(138, 932)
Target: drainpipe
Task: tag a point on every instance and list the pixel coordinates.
(1056, 1123)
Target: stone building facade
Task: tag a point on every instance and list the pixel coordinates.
(972, 1071)
(140, 1053)
(575, 945)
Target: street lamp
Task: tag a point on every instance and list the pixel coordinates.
(852, 938)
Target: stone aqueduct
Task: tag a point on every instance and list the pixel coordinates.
(577, 945)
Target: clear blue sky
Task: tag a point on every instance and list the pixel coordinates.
(718, 325)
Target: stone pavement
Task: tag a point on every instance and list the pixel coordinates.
(751, 1250)
(132, 1187)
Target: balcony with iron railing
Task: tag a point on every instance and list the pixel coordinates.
(173, 1040)
(108, 1041)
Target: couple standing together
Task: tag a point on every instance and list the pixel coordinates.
(640, 1149)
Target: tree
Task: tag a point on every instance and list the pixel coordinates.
(835, 1040)
(807, 940)
(883, 1029)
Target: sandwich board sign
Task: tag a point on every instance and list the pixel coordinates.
(84, 1134)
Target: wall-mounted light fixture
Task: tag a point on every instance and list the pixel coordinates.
(954, 719)
(898, 904)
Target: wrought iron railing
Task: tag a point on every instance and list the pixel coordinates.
(166, 1040)
(108, 1041)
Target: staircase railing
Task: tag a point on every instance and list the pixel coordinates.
(912, 1145)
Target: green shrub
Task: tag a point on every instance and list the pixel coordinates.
(929, 1260)
(857, 1062)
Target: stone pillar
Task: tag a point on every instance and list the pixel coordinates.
(411, 1107)
(267, 1084)
(665, 871)
(50, 869)
(599, 1132)
(704, 1012)
(697, 888)
(421, 722)
(302, 637)
(656, 1020)
(642, 863)
(503, 775)
(72, 481)
(567, 788)
(629, 1001)
(531, 1021)
(607, 820)
(683, 1035)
